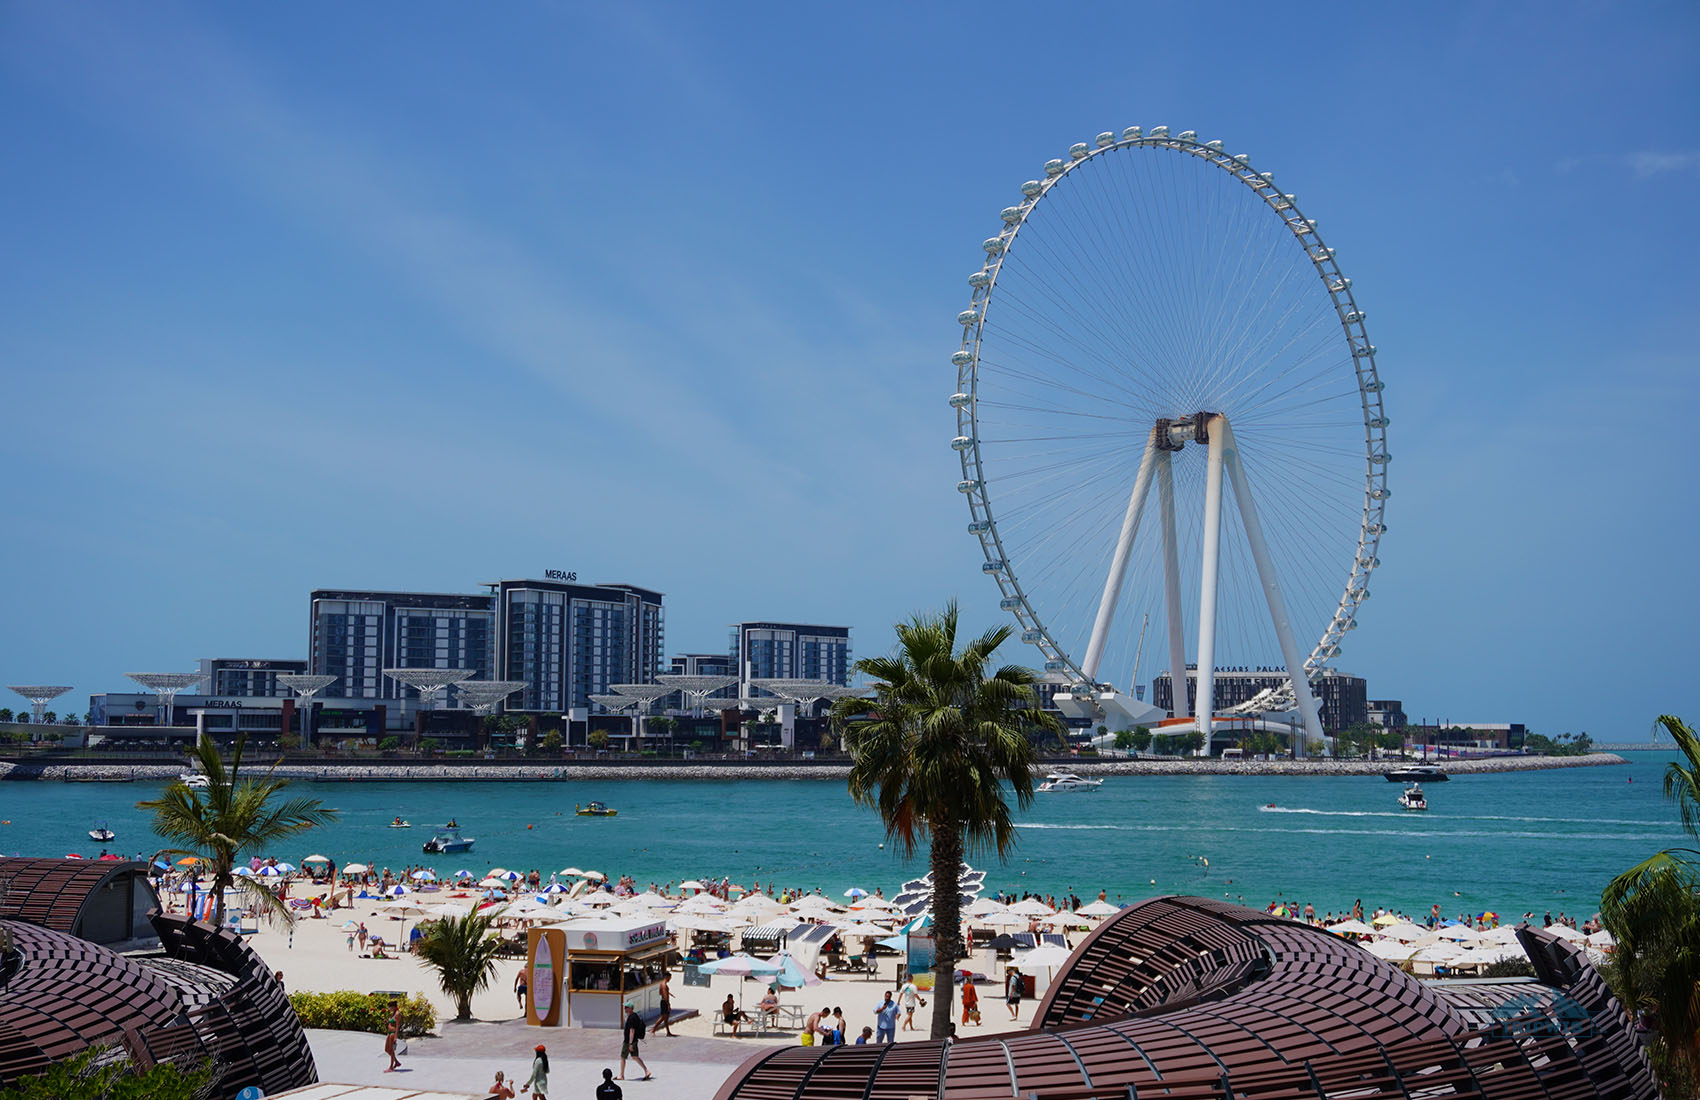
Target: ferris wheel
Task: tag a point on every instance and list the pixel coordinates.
(1157, 319)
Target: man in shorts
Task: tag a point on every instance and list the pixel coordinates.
(630, 1036)
(909, 995)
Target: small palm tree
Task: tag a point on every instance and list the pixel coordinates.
(1653, 911)
(932, 750)
(233, 817)
(463, 952)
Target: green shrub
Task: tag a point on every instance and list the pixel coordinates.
(346, 1010)
(389, 744)
(1509, 968)
(101, 1074)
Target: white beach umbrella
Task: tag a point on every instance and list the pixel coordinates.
(317, 859)
(1068, 920)
(495, 872)
(1436, 953)
(424, 874)
(1602, 938)
(1505, 933)
(355, 869)
(1565, 932)
(1458, 932)
(571, 872)
(599, 899)
(402, 906)
(448, 909)
(1032, 907)
(1351, 928)
(984, 907)
(873, 901)
(1047, 956)
(691, 884)
(1002, 920)
(1098, 909)
(650, 899)
(1392, 950)
(813, 902)
(594, 876)
(1403, 931)
(1488, 954)
(701, 903)
(492, 882)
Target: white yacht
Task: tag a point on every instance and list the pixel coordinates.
(195, 781)
(1059, 782)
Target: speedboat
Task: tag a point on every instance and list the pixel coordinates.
(446, 840)
(1413, 798)
(1417, 773)
(595, 809)
(195, 781)
(102, 834)
(1058, 782)
(401, 823)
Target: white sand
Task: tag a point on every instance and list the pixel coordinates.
(315, 956)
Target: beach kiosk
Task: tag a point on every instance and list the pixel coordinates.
(610, 963)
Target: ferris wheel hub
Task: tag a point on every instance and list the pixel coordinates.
(1174, 434)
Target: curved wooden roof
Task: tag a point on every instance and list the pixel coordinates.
(54, 892)
(1189, 997)
(210, 996)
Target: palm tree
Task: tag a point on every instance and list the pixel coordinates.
(463, 952)
(1653, 910)
(232, 817)
(931, 751)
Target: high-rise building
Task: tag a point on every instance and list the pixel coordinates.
(569, 641)
(705, 664)
(1341, 697)
(791, 651)
(356, 635)
(246, 677)
(1387, 713)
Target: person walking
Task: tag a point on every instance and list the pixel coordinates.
(839, 1030)
(392, 1037)
(608, 1090)
(1012, 992)
(909, 995)
(665, 1019)
(519, 987)
(538, 1083)
(970, 1002)
(631, 1034)
(887, 1018)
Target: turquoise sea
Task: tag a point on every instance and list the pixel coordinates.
(1513, 842)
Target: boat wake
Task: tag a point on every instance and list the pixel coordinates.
(1462, 817)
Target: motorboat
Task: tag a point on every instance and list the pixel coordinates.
(195, 781)
(1418, 773)
(447, 840)
(1413, 799)
(401, 823)
(102, 834)
(595, 809)
(1059, 782)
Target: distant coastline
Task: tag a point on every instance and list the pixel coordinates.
(401, 771)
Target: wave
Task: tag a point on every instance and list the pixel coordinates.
(1414, 833)
(1462, 817)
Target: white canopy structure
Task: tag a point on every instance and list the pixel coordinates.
(697, 689)
(166, 685)
(39, 696)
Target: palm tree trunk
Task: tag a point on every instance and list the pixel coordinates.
(946, 859)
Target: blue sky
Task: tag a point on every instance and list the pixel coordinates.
(425, 295)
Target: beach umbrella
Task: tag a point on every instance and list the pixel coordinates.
(317, 859)
(242, 872)
(1392, 950)
(792, 974)
(1403, 931)
(1351, 928)
(493, 882)
(1457, 932)
(691, 884)
(398, 890)
(511, 876)
(855, 892)
(874, 901)
(1003, 920)
(651, 900)
(284, 867)
(571, 872)
(402, 906)
(161, 865)
(448, 909)
(812, 903)
(187, 861)
(495, 872)
(1032, 907)
(355, 869)
(1386, 918)
(1098, 909)
(1602, 938)
(1565, 932)
(1069, 920)
(464, 873)
(1441, 953)
(268, 872)
(598, 899)
(424, 874)
(554, 888)
(740, 965)
(594, 876)
(984, 907)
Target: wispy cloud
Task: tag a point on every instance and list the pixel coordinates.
(1649, 164)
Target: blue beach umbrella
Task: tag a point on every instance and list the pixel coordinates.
(791, 973)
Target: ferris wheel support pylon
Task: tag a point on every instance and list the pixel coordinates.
(1172, 587)
(1222, 439)
(1212, 561)
(1118, 563)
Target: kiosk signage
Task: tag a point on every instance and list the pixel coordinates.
(546, 953)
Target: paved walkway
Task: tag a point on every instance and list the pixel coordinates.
(465, 1058)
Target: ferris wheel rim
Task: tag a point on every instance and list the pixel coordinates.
(983, 522)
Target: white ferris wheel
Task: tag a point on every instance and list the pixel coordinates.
(1156, 319)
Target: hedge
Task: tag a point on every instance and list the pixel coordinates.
(346, 1010)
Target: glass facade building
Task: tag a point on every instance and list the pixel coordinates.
(355, 635)
(792, 651)
(569, 641)
(246, 677)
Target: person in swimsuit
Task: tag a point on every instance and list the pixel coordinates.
(663, 1020)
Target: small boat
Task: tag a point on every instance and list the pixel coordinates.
(401, 823)
(1413, 798)
(195, 781)
(446, 840)
(595, 809)
(102, 834)
(1060, 782)
(1418, 773)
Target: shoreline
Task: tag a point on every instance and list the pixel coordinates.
(402, 772)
